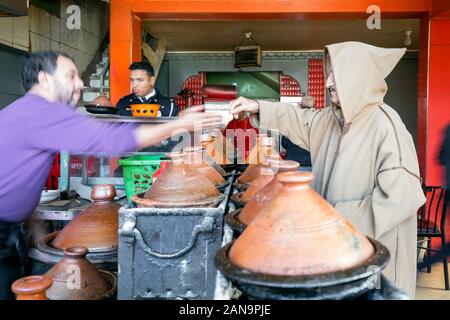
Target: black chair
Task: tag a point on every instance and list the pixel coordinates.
(431, 225)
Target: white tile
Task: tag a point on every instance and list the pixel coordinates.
(73, 38)
(17, 46)
(95, 44)
(64, 48)
(35, 43)
(33, 14)
(85, 19)
(86, 58)
(45, 43)
(54, 45)
(63, 32)
(44, 23)
(78, 58)
(21, 33)
(80, 39)
(63, 7)
(6, 29)
(72, 52)
(55, 26)
(6, 43)
(86, 45)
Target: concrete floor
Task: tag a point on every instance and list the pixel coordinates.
(430, 286)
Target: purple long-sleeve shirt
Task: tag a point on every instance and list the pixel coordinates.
(32, 131)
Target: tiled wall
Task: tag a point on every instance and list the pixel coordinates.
(14, 32)
(43, 31)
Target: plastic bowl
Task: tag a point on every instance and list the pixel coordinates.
(145, 110)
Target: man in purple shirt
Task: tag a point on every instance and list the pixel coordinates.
(40, 124)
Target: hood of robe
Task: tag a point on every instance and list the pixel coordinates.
(360, 71)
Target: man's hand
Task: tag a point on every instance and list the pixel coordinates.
(241, 105)
(192, 119)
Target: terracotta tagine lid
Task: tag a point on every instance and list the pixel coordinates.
(206, 139)
(258, 200)
(180, 185)
(95, 227)
(217, 147)
(75, 278)
(299, 233)
(252, 172)
(209, 153)
(267, 174)
(193, 156)
(102, 101)
(264, 147)
(31, 287)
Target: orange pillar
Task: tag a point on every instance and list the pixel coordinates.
(125, 46)
(438, 97)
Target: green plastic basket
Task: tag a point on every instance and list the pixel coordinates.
(138, 172)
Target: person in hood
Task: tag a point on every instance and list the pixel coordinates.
(363, 157)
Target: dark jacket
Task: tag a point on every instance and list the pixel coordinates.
(295, 153)
(168, 106)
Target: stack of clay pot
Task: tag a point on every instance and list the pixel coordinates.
(300, 247)
(217, 147)
(299, 233)
(264, 147)
(194, 157)
(267, 172)
(253, 172)
(95, 228)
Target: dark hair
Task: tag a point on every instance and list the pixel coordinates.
(36, 62)
(142, 65)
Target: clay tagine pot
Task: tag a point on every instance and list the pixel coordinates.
(101, 101)
(210, 153)
(264, 147)
(31, 287)
(180, 185)
(259, 199)
(299, 233)
(217, 147)
(95, 227)
(252, 173)
(193, 156)
(267, 174)
(75, 278)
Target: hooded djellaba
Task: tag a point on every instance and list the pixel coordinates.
(363, 157)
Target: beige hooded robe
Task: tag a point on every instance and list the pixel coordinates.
(367, 169)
